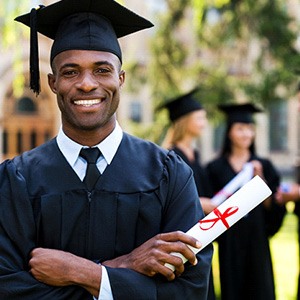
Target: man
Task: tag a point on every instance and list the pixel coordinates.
(76, 227)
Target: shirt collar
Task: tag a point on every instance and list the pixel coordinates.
(108, 146)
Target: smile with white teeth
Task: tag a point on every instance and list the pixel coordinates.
(87, 102)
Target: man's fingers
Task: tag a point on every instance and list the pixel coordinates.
(181, 237)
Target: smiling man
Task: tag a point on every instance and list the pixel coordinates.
(95, 212)
(87, 85)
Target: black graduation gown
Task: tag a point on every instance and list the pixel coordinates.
(144, 191)
(201, 179)
(244, 254)
(204, 190)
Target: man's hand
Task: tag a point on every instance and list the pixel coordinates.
(150, 258)
(59, 268)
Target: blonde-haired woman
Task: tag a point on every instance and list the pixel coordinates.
(188, 119)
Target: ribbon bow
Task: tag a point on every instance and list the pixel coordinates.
(227, 213)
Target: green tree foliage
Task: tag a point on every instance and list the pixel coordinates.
(10, 30)
(11, 33)
(168, 66)
(267, 24)
(239, 50)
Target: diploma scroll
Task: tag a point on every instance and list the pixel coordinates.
(228, 213)
(233, 185)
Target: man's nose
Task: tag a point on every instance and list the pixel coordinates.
(87, 82)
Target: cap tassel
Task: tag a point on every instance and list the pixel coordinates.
(34, 53)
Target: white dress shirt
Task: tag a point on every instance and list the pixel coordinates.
(108, 148)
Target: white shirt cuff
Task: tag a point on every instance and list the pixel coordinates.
(105, 292)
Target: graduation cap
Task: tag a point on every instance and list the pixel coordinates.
(79, 25)
(182, 105)
(239, 113)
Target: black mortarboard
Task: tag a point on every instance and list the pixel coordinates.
(80, 25)
(182, 105)
(239, 113)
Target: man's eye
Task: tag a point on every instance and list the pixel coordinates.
(69, 73)
(102, 70)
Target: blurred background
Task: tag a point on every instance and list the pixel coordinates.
(232, 50)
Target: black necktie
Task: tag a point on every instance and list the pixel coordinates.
(92, 173)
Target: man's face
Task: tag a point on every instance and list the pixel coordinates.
(87, 85)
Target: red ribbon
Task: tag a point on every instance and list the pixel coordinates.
(227, 213)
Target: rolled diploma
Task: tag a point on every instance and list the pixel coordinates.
(228, 213)
(235, 183)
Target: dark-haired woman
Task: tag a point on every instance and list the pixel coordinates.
(246, 271)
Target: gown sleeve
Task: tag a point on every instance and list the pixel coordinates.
(17, 239)
(182, 211)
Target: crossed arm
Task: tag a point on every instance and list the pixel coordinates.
(59, 268)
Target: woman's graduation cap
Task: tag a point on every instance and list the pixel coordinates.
(182, 105)
(239, 113)
(79, 25)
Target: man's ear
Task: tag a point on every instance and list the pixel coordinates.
(122, 77)
(51, 82)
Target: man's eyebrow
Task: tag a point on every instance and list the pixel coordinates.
(104, 62)
(97, 63)
(69, 65)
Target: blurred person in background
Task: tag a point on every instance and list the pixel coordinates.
(188, 120)
(244, 255)
(290, 192)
